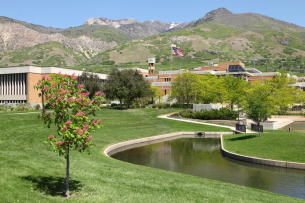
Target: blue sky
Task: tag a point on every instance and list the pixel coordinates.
(67, 13)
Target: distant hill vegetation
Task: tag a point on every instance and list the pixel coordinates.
(219, 36)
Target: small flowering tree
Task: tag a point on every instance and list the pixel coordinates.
(71, 111)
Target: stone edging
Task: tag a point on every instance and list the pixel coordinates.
(269, 162)
(121, 146)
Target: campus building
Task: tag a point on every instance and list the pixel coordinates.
(163, 79)
(17, 83)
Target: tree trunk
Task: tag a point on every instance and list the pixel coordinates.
(128, 103)
(231, 106)
(67, 194)
(121, 103)
(259, 130)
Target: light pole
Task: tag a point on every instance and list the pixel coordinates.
(238, 111)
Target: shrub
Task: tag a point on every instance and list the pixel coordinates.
(154, 106)
(214, 114)
(37, 107)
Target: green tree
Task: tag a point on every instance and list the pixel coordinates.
(153, 93)
(125, 85)
(185, 87)
(211, 89)
(258, 103)
(235, 88)
(91, 82)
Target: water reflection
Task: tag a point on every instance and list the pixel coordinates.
(202, 157)
(295, 126)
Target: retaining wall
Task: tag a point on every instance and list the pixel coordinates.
(269, 162)
(121, 146)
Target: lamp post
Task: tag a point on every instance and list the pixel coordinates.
(238, 111)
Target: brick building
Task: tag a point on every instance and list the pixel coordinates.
(17, 83)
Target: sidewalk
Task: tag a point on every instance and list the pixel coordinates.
(203, 123)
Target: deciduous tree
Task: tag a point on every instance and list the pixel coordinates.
(71, 110)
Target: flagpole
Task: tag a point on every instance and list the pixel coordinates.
(170, 79)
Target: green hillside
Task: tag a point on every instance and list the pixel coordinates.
(46, 54)
(102, 32)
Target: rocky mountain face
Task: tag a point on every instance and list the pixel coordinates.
(112, 23)
(138, 30)
(18, 36)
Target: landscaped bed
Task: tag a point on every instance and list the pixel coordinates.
(32, 172)
(273, 144)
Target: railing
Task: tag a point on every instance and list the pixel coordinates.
(241, 128)
(257, 128)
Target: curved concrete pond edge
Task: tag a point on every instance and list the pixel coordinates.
(122, 146)
(269, 162)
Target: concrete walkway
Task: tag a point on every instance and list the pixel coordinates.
(201, 122)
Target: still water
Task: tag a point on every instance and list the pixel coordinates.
(296, 126)
(202, 157)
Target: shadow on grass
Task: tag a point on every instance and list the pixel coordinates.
(54, 186)
(242, 138)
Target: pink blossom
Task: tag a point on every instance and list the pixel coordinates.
(74, 78)
(80, 86)
(102, 94)
(83, 104)
(73, 74)
(63, 84)
(73, 85)
(49, 115)
(53, 104)
(89, 138)
(62, 106)
(68, 122)
(38, 83)
(70, 142)
(81, 133)
(58, 143)
(45, 89)
(64, 128)
(70, 99)
(44, 77)
(93, 110)
(85, 127)
(87, 94)
(77, 130)
(51, 137)
(83, 121)
(59, 98)
(79, 92)
(41, 116)
(97, 93)
(59, 73)
(44, 111)
(57, 117)
(54, 95)
(64, 92)
(92, 122)
(48, 78)
(70, 91)
(98, 104)
(53, 85)
(99, 121)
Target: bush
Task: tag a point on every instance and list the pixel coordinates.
(154, 106)
(214, 114)
(37, 107)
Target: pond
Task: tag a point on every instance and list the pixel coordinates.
(202, 157)
(295, 126)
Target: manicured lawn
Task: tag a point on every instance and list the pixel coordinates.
(31, 172)
(276, 144)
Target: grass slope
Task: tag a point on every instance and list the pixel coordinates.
(31, 172)
(276, 144)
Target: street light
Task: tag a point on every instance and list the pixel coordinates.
(238, 111)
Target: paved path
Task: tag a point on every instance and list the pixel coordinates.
(201, 122)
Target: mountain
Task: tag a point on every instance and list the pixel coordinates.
(101, 43)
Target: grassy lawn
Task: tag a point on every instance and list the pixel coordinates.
(31, 172)
(275, 144)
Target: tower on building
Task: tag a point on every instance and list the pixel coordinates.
(151, 68)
